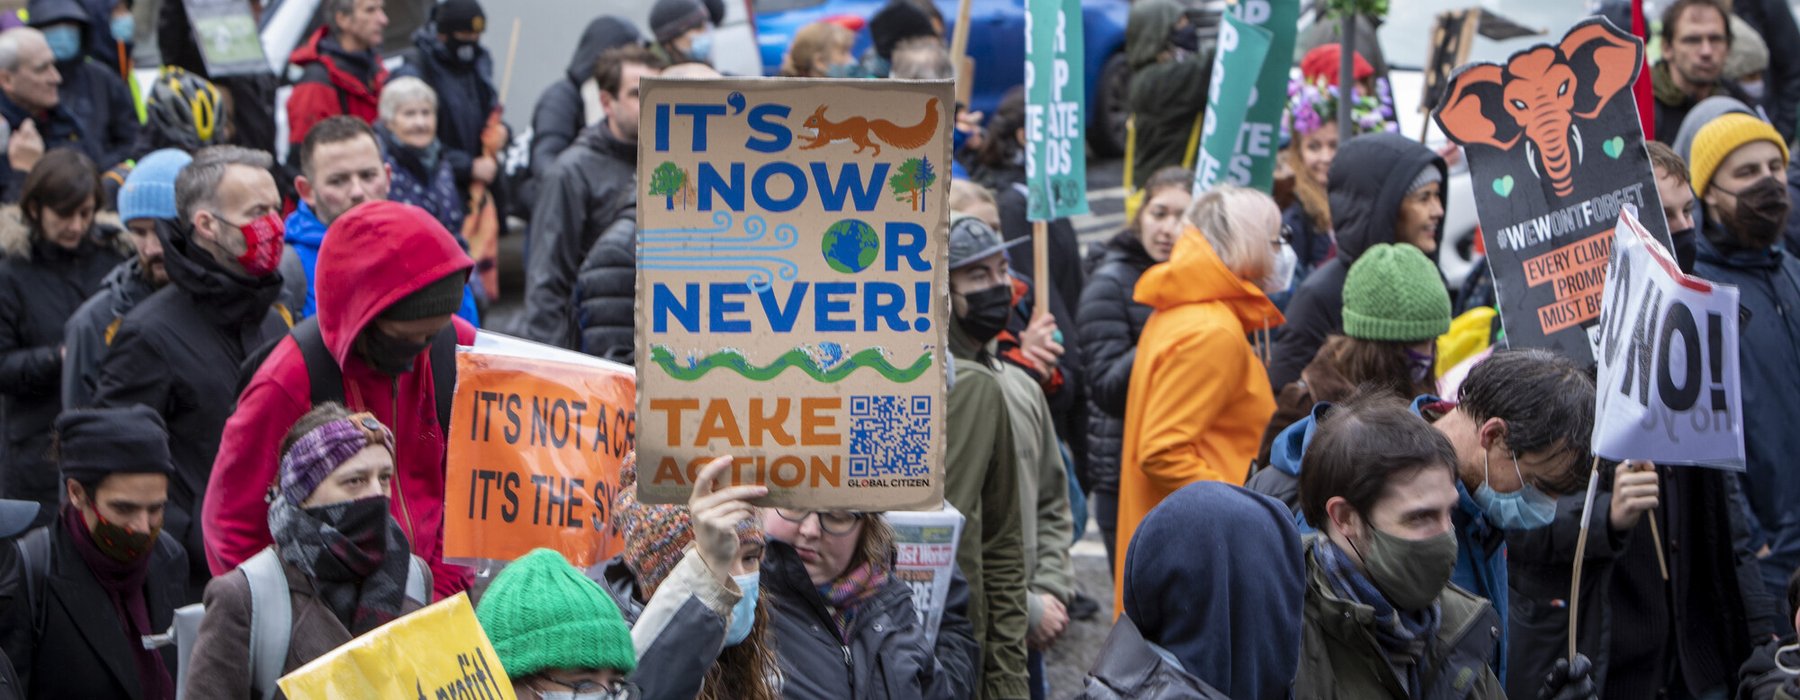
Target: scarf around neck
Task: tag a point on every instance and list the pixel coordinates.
(845, 595)
(124, 586)
(1404, 636)
(328, 557)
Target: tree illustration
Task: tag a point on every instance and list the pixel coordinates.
(668, 181)
(912, 179)
(923, 177)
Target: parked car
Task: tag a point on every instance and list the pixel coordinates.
(997, 49)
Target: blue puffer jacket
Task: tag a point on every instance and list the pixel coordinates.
(1768, 283)
(1480, 547)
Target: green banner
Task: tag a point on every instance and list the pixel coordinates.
(1055, 118)
(1237, 66)
(1252, 156)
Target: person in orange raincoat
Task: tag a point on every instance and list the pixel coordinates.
(1200, 395)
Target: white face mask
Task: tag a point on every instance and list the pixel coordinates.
(1281, 275)
(1754, 90)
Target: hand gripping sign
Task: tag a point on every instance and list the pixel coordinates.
(1668, 387)
(793, 296)
(1555, 152)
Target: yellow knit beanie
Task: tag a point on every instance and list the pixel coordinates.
(1719, 138)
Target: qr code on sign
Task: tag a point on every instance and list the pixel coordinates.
(889, 435)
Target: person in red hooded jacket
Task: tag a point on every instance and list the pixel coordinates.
(340, 69)
(390, 279)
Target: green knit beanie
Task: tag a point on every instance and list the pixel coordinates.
(541, 613)
(1393, 293)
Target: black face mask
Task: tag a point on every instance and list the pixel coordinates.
(364, 526)
(387, 354)
(1684, 249)
(1762, 210)
(1186, 38)
(463, 51)
(987, 312)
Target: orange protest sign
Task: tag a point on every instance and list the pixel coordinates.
(535, 447)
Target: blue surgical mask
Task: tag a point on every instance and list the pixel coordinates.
(700, 49)
(123, 26)
(64, 41)
(843, 70)
(1524, 509)
(743, 615)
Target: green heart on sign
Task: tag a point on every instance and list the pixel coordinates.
(1613, 146)
(1503, 186)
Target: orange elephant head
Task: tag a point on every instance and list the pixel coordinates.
(1538, 96)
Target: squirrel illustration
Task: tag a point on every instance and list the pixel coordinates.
(858, 129)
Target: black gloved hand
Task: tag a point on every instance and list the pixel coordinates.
(1570, 681)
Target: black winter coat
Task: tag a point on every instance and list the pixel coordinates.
(888, 655)
(178, 352)
(41, 286)
(590, 187)
(1363, 210)
(1129, 667)
(83, 651)
(59, 128)
(465, 94)
(1110, 324)
(560, 113)
(606, 293)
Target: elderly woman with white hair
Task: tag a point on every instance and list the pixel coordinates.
(407, 130)
(1199, 396)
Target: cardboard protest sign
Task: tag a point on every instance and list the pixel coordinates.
(926, 554)
(536, 438)
(439, 651)
(1555, 151)
(1668, 387)
(1237, 66)
(1055, 121)
(225, 31)
(793, 291)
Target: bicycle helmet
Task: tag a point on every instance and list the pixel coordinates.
(185, 111)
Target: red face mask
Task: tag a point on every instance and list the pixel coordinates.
(262, 244)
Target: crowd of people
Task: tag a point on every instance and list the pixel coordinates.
(225, 378)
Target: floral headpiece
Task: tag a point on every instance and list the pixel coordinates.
(1312, 105)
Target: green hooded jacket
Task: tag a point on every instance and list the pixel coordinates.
(1167, 93)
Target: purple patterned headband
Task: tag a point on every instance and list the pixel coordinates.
(320, 452)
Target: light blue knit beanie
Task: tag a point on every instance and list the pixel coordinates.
(149, 189)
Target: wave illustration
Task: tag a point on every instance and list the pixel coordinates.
(825, 364)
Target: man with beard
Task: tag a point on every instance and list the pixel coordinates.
(1739, 168)
(1696, 37)
(178, 352)
(146, 200)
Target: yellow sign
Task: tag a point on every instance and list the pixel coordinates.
(437, 653)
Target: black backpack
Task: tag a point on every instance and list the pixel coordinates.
(327, 378)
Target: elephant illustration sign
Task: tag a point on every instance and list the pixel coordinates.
(1555, 151)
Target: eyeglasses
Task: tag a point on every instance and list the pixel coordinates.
(1287, 234)
(836, 522)
(617, 690)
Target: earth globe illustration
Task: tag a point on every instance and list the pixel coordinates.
(850, 246)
